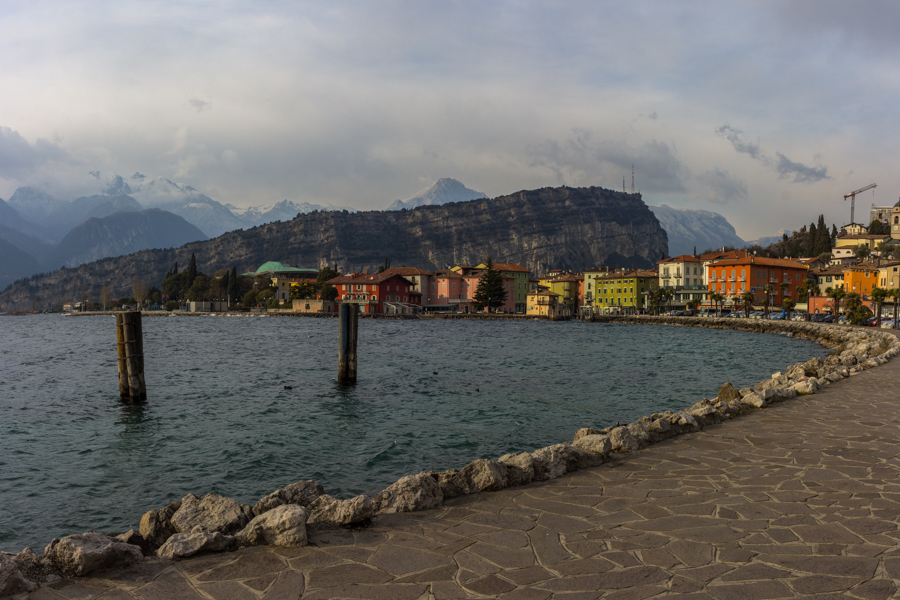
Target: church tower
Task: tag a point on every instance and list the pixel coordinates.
(895, 222)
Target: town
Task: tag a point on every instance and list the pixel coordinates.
(854, 279)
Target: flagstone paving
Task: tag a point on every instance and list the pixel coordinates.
(801, 499)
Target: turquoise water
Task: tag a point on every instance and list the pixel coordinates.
(431, 395)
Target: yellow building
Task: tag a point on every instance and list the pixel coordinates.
(542, 304)
(566, 287)
(852, 241)
(590, 283)
(860, 279)
(624, 291)
(889, 275)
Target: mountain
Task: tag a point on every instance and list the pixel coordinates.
(701, 229)
(33, 204)
(74, 213)
(769, 240)
(283, 211)
(198, 209)
(36, 247)
(442, 191)
(568, 228)
(11, 219)
(15, 264)
(122, 233)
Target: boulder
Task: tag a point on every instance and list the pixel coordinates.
(796, 371)
(211, 513)
(753, 400)
(555, 461)
(183, 545)
(12, 581)
(595, 447)
(621, 440)
(780, 378)
(585, 431)
(326, 511)
(82, 554)
(480, 476)
(812, 366)
(156, 525)
(447, 484)
(136, 539)
(519, 468)
(283, 525)
(639, 433)
(806, 387)
(302, 493)
(683, 422)
(727, 393)
(765, 385)
(660, 429)
(413, 492)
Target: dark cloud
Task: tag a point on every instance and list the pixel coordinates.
(19, 158)
(722, 187)
(199, 104)
(736, 137)
(582, 159)
(798, 171)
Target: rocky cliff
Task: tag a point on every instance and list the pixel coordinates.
(569, 228)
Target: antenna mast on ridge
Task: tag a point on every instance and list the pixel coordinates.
(632, 178)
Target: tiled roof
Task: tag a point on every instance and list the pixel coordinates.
(680, 258)
(362, 278)
(759, 261)
(864, 236)
(509, 267)
(407, 271)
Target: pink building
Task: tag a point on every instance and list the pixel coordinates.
(453, 290)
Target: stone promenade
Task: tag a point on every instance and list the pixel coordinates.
(801, 499)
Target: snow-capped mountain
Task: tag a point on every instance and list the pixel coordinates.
(282, 211)
(701, 229)
(442, 191)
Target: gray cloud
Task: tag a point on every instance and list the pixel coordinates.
(736, 137)
(199, 104)
(117, 186)
(722, 187)
(19, 158)
(582, 159)
(800, 172)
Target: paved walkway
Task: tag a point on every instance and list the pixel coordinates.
(800, 499)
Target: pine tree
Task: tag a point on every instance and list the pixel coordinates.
(192, 271)
(233, 284)
(823, 240)
(834, 234)
(811, 240)
(490, 292)
(175, 270)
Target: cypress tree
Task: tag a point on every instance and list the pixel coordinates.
(233, 284)
(490, 292)
(192, 271)
(175, 270)
(811, 240)
(823, 240)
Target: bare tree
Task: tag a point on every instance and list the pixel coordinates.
(139, 290)
(105, 296)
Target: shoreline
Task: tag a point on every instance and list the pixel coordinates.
(857, 349)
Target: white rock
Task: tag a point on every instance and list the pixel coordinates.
(754, 400)
(283, 525)
(302, 493)
(211, 513)
(413, 492)
(621, 440)
(329, 511)
(519, 468)
(555, 461)
(183, 545)
(83, 554)
(11, 579)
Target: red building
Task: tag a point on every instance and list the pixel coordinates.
(377, 291)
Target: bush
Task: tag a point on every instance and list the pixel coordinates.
(171, 305)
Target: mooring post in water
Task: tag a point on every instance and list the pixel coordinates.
(130, 339)
(348, 325)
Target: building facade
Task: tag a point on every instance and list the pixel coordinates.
(625, 291)
(760, 276)
(371, 292)
(520, 276)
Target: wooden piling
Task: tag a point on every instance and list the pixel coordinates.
(120, 348)
(129, 334)
(348, 326)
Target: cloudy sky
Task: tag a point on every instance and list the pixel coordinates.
(766, 112)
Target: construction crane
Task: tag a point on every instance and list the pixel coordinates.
(852, 196)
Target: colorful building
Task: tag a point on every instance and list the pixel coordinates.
(828, 278)
(374, 292)
(684, 276)
(283, 277)
(590, 283)
(520, 276)
(733, 277)
(861, 278)
(542, 303)
(565, 285)
(889, 275)
(453, 290)
(625, 291)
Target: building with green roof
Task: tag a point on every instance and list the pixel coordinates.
(274, 268)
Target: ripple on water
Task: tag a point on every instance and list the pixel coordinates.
(219, 419)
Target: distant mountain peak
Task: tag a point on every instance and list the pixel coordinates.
(442, 191)
(690, 229)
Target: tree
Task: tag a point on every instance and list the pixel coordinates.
(669, 293)
(329, 293)
(491, 292)
(857, 312)
(823, 239)
(876, 227)
(879, 295)
(716, 298)
(140, 291)
(895, 296)
(863, 252)
(784, 285)
(105, 296)
(303, 291)
(192, 271)
(692, 304)
(233, 284)
(787, 304)
(249, 298)
(811, 240)
(767, 290)
(385, 266)
(835, 294)
(747, 298)
(834, 234)
(326, 273)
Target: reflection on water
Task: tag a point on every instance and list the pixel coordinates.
(430, 395)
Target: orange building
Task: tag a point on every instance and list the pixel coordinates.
(860, 279)
(734, 277)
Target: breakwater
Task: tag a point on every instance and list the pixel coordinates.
(857, 350)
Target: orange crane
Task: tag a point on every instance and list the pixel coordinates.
(852, 196)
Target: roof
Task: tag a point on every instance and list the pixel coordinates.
(762, 262)
(278, 268)
(725, 254)
(366, 278)
(447, 273)
(834, 270)
(630, 274)
(543, 293)
(407, 271)
(864, 236)
(680, 258)
(507, 267)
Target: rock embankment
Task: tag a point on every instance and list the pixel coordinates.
(285, 517)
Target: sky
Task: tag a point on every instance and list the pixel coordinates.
(765, 112)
